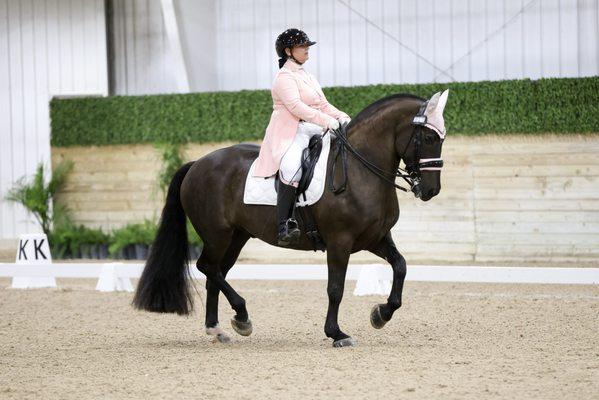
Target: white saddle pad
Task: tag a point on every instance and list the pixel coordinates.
(262, 191)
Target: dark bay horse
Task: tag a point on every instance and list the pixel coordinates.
(210, 192)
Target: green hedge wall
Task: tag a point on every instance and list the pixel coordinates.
(564, 105)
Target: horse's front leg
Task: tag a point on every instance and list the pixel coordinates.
(337, 258)
(382, 313)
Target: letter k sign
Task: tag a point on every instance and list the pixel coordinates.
(38, 249)
(37, 253)
(22, 252)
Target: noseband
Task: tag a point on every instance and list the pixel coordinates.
(412, 173)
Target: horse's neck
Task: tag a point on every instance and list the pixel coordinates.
(377, 147)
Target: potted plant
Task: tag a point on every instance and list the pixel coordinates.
(120, 242)
(133, 240)
(85, 242)
(37, 195)
(60, 242)
(91, 240)
(75, 241)
(100, 243)
(144, 235)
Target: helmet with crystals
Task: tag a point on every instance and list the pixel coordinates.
(291, 37)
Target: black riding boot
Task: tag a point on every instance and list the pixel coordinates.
(288, 230)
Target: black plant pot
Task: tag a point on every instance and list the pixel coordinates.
(93, 251)
(60, 252)
(75, 254)
(85, 250)
(130, 252)
(119, 255)
(102, 251)
(141, 251)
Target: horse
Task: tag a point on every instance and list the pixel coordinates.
(209, 191)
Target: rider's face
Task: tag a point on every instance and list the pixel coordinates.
(300, 52)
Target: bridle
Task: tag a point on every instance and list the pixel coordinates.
(411, 174)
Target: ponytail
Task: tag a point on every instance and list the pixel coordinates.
(282, 61)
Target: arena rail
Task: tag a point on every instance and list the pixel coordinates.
(372, 272)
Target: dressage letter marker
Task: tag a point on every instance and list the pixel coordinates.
(33, 250)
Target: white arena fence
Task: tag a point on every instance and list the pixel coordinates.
(371, 278)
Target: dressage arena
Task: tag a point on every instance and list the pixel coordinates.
(449, 340)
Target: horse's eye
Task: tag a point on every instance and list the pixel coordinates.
(429, 139)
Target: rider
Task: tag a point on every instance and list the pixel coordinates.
(300, 110)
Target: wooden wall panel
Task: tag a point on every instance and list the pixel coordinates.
(504, 199)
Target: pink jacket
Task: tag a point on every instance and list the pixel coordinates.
(296, 95)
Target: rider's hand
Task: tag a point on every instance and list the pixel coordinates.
(333, 124)
(344, 121)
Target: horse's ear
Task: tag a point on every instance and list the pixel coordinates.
(432, 103)
(434, 112)
(442, 101)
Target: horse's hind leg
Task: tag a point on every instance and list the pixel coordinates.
(209, 264)
(232, 253)
(382, 313)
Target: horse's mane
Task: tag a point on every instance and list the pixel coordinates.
(370, 110)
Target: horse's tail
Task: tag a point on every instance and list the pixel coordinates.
(164, 283)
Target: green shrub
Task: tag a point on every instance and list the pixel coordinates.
(172, 160)
(559, 105)
(140, 233)
(93, 236)
(63, 241)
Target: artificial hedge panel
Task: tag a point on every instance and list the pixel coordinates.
(560, 105)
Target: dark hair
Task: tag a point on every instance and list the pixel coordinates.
(282, 61)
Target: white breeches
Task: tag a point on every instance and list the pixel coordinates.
(290, 170)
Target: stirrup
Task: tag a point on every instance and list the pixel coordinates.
(290, 232)
(291, 225)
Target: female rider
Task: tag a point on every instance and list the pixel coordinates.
(300, 110)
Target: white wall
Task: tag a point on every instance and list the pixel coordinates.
(47, 48)
(229, 44)
(142, 63)
(465, 38)
(198, 24)
(145, 63)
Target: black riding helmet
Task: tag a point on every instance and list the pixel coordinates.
(289, 38)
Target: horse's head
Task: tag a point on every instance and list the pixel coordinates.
(422, 155)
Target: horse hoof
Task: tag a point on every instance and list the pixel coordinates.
(243, 328)
(376, 319)
(222, 338)
(218, 334)
(347, 342)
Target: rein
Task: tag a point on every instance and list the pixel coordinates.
(412, 173)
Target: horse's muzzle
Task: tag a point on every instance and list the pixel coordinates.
(417, 190)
